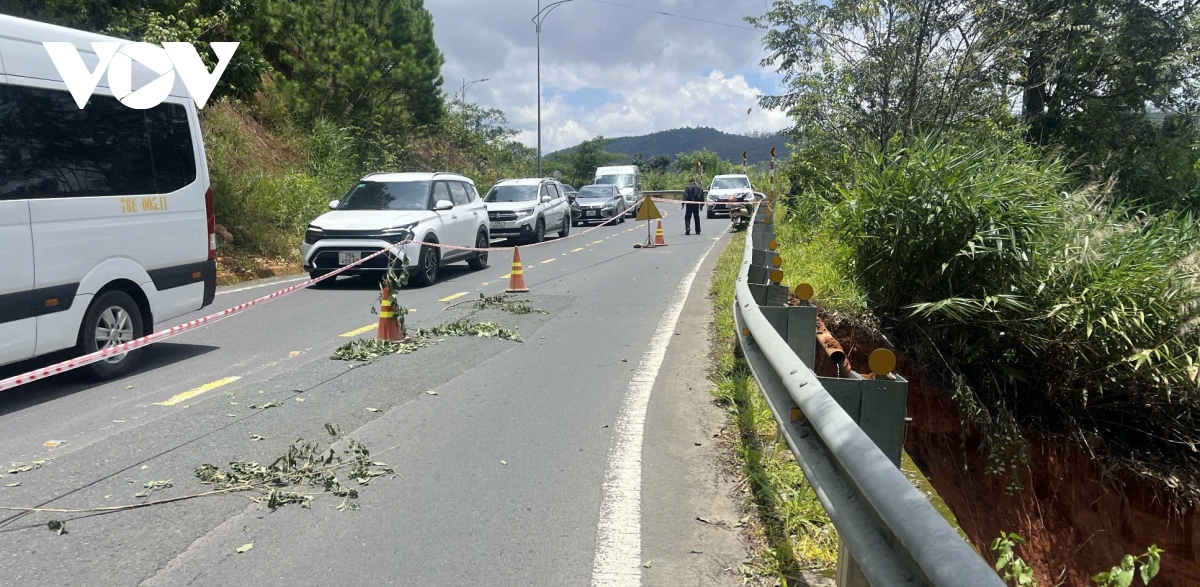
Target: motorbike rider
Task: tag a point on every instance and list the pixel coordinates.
(692, 198)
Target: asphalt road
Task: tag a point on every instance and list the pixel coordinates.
(501, 475)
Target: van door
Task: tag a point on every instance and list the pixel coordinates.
(18, 310)
(18, 301)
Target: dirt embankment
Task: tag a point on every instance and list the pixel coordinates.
(1079, 517)
(239, 144)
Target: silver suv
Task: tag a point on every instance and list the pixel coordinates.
(526, 209)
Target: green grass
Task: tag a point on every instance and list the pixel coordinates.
(815, 255)
(790, 523)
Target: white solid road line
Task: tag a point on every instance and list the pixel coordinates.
(619, 533)
(229, 291)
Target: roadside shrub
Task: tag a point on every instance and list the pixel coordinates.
(1045, 309)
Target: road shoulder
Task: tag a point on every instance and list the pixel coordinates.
(690, 532)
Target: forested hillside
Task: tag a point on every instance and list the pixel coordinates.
(669, 143)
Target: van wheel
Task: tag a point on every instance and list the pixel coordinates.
(566, 227)
(428, 264)
(112, 319)
(480, 260)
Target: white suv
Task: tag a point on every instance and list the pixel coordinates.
(384, 209)
(726, 190)
(527, 208)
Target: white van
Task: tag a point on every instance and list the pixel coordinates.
(106, 215)
(627, 179)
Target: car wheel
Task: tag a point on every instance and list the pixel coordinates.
(112, 319)
(539, 231)
(480, 260)
(566, 227)
(428, 263)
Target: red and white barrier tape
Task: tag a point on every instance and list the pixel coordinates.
(499, 249)
(100, 355)
(88, 359)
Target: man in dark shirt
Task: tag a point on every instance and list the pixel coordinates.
(692, 193)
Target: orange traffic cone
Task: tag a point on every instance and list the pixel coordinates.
(516, 280)
(389, 326)
(658, 236)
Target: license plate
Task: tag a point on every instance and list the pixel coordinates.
(497, 225)
(593, 213)
(348, 257)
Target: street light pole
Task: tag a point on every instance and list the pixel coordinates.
(538, 18)
(467, 84)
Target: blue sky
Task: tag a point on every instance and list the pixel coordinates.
(608, 69)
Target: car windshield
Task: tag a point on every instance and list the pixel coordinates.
(374, 195)
(621, 181)
(591, 193)
(512, 193)
(730, 183)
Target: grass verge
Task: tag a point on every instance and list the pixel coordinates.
(788, 525)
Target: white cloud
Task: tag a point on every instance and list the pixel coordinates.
(656, 72)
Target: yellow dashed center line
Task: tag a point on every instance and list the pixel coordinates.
(364, 329)
(549, 261)
(597, 242)
(187, 395)
(505, 276)
(577, 250)
(453, 297)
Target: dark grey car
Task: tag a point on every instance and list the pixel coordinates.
(598, 203)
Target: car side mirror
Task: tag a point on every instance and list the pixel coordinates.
(443, 205)
(333, 204)
(546, 199)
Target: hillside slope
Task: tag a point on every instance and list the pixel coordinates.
(685, 140)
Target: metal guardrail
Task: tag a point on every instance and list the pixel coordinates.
(673, 193)
(846, 434)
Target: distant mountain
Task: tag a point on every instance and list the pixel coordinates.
(685, 140)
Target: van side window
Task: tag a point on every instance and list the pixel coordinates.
(53, 149)
(459, 193)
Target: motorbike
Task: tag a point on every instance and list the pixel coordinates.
(739, 213)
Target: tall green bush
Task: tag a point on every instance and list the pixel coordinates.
(1045, 308)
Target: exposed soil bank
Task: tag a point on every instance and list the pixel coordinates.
(1079, 519)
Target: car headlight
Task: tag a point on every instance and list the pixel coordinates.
(525, 212)
(712, 197)
(398, 234)
(312, 235)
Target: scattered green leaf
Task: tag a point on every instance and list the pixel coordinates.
(27, 467)
(245, 548)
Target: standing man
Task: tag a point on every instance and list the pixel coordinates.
(693, 196)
